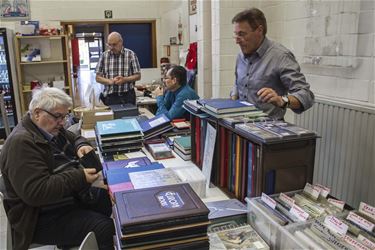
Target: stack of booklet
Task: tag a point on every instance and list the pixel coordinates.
(156, 126)
(160, 217)
(182, 147)
(119, 136)
(223, 108)
(270, 131)
(159, 150)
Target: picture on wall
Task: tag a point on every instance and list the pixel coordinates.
(192, 7)
(14, 9)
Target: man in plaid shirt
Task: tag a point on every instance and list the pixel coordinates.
(118, 69)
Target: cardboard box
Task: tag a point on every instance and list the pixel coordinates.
(90, 117)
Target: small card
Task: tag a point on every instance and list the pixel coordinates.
(288, 200)
(335, 225)
(362, 222)
(366, 241)
(312, 190)
(354, 243)
(299, 213)
(367, 210)
(324, 191)
(269, 201)
(337, 203)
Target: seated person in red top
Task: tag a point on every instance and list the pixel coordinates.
(176, 92)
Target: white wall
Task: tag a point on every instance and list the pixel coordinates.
(165, 12)
(332, 40)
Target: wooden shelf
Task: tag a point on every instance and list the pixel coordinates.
(44, 62)
(40, 37)
(29, 91)
(58, 66)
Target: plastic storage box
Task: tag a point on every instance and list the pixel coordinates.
(276, 235)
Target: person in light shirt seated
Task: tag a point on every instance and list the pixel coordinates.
(169, 99)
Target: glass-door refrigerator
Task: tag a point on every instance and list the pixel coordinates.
(8, 81)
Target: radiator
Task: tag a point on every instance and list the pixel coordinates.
(345, 153)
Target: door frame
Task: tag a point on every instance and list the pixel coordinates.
(69, 26)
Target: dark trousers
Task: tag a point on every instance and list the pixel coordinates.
(68, 226)
(119, 98)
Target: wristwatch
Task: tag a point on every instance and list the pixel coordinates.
(286, 101)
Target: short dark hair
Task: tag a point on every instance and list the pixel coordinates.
(178, 72)
(254, 17)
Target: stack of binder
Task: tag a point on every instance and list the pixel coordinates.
(182, 147)
(119, 136)
(155, 126)
(224, 108)
(160, 217)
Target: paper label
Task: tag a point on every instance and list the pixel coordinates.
(366, 241)
(299, 213)
(362, 222)
(268, 200)
(367, 210)
(354, 243)
(324, 191)
(337, 203)
(335, 225)
(288, 200)
(312, 190)
(157, 122)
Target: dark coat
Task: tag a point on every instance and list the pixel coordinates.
(26, 163)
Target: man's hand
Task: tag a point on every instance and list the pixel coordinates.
(119, 80)
(90, 174)
(269, 95)
(234, 97)
(158, 91)
(84, 150)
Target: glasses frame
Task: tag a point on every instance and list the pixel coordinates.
(59, 117)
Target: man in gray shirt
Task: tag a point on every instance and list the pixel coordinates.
(267, 74)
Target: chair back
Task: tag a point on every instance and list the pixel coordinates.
(89, 242)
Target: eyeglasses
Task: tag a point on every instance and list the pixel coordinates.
(58, 116)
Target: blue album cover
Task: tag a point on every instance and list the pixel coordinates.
(118, 126)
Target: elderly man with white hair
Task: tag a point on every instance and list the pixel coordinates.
(118, 69)
(48, 194)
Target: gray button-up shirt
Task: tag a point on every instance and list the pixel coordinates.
(272, 66)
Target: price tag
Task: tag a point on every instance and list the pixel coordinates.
(288, 200)
(366, 241)
(335, 225)
(362, 222)
(367, 210)
(354, 243)
(299, 213)
(268, 200)
(324, 191)
(312, 191)
(337, 203)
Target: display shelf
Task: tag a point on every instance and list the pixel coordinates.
(52, 62)
(44, 62)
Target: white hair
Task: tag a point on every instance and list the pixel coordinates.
(49, 98)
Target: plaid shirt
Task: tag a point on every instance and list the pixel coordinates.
(111, 65)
